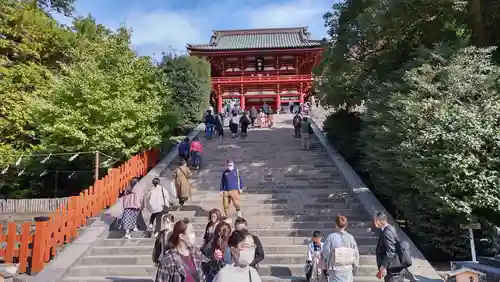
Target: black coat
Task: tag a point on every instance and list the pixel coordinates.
(386, 248)
(259, 252)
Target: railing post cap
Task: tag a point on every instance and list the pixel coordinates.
(41, 218)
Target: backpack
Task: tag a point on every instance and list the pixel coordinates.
(404, 254)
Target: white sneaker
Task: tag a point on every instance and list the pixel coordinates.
(238, 213)
(156, 234)
(135, 229)
(128, 236)
(150, 226)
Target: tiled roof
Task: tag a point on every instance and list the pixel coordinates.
(258, 39)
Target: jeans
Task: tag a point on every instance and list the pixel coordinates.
(196, 157)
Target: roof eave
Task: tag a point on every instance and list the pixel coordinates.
(254, 49)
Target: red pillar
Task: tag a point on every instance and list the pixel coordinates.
(219, 103)
(242, 102)
(278, 102)
(301, 98)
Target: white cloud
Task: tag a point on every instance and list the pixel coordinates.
(162, 30)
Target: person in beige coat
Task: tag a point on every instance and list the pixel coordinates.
(181, 177)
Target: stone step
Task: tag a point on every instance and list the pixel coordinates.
(308, 189)
(361, 234)
(247, 212)
(321, 197)
(258, 200)
(271, 258)
(296, 225)
(290, 218)
(151, 279)
(292, 205)
(283, 250)
(150, 270)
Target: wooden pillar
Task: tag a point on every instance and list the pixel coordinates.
(301, 97)
(278, 102)
(219, 103)
(242, 101)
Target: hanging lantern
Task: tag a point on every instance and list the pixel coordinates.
(259, 64)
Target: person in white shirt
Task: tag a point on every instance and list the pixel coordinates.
(242, 249)
(158, 203)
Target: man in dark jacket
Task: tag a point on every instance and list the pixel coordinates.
(387, 258)
(231, 187)
(241, 224)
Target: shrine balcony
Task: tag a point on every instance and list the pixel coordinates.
(272, 79)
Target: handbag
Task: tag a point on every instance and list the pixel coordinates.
(165, 208)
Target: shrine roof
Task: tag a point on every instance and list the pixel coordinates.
(275, 38)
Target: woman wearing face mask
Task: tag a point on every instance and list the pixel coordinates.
(182, 262)
(217, 251)
(161, 242)
(242, 249)
(213, 219)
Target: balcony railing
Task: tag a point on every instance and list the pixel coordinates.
(263, 79)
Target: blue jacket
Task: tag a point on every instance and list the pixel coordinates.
(183, 148)
(231, 180)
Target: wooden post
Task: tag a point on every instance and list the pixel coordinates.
(39, 244)
(97, 165)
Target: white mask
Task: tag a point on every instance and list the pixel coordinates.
(246, 256)
(190, 239)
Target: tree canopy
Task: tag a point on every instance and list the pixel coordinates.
(81, 88)
(426, 76)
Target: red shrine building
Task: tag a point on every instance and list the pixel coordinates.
(254, 66)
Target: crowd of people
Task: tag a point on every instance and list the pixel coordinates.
(233, 253)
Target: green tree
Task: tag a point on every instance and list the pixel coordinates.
(422, 141)
(31, 46)
(108, 100)
(190, 82)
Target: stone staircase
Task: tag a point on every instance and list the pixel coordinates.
(290, 193)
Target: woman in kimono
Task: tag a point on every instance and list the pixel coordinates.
(341, 253)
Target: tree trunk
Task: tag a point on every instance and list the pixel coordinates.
(477, 24)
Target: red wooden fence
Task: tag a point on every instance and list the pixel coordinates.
(33, 249)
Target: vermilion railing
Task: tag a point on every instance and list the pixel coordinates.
(33, 249)
(271, 78)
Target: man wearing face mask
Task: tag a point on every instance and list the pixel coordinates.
(242, 247)
(240, 224)
(230, 188)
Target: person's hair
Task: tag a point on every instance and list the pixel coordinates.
(179, 228)
(214, 211)
(341, 221)
(222, 233)
(237, 237)
(156, 181)
(317, 234)
(229, 162)
(183, 162)
(240, 220)
(209, 112)
(380, 216)
(186, 139)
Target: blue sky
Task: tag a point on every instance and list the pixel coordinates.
(166, 26)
